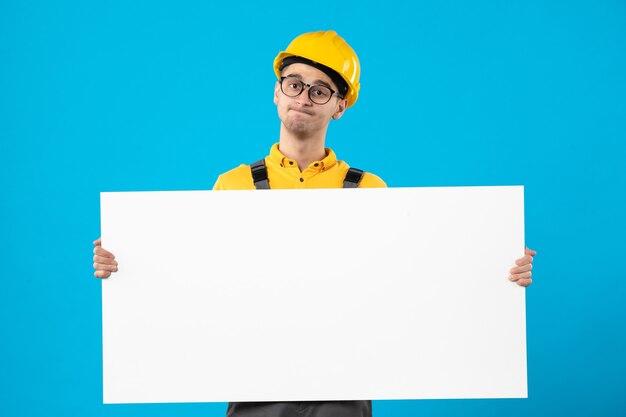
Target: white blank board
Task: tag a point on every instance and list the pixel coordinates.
(294, 295)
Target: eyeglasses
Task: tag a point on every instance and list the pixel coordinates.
(318, 93)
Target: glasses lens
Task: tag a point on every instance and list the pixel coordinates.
(291, 86)
(320, 94)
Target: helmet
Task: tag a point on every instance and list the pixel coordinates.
(329, 49)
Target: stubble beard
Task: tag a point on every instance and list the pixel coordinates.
(297, 126)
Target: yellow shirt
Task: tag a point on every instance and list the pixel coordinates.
(284, 173)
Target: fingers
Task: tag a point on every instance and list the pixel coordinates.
(521, 275)
(527, 259)
(105, 267)
(103, 261)
(530, 252)
(524, 282)
(520, 269)
(101, 274)
(98, 250)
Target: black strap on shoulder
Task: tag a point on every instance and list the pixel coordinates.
(353, 177)
(259, 175)
(261, 181)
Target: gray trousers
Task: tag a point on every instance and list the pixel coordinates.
(301, 409)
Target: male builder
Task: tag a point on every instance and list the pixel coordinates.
(318, 79)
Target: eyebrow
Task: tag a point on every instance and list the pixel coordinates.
(315, 82)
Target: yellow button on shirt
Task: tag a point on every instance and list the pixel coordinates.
(284, 173)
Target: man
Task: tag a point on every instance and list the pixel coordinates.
(318, 79)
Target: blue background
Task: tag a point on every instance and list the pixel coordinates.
(113, 95)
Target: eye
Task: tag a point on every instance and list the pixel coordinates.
(292, 84)
(320, 91)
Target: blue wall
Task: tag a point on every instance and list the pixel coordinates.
(109, 96)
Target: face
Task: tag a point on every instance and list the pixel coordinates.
(299, 114)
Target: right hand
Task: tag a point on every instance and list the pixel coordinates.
(103, 261)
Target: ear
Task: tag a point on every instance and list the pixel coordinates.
(341, 108)
(276, 92)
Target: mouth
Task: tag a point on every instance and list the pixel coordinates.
(299, 110)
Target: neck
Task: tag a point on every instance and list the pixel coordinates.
(303, 149)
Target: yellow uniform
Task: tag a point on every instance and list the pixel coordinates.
(284, 173)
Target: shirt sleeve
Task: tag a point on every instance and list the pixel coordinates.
(239, 178)
(218, 184)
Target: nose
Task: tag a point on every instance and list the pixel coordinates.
(304, 98)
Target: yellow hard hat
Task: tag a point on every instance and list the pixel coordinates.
(330, 50)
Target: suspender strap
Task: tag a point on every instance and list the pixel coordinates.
(261, 182)
(353, 177)
(259, 175)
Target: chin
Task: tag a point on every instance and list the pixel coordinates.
(298, 128)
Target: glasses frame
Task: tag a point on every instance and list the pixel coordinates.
(303, 85)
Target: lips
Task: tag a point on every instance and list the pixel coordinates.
(301, 110)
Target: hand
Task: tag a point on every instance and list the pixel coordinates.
(521, 273)
(103, 261)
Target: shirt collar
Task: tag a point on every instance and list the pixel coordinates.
(277, 157)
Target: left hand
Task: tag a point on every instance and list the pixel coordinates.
(521, 274)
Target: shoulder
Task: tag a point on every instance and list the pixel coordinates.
(239, 178)
(370, 180)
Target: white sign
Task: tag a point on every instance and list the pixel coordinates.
(294, 295)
